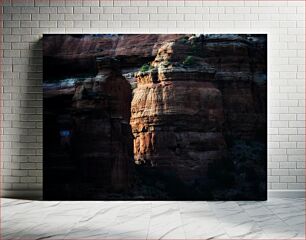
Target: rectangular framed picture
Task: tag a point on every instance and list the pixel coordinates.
(155, 117)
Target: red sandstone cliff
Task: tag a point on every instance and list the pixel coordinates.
(197, 91)
(196, 94)
(177, 116)
(67, 55)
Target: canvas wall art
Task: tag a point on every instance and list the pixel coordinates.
(155, 117)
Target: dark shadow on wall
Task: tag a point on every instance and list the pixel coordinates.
(29, 155)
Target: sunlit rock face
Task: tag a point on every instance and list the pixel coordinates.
(177, 119)
(103, 137)
(198, 92)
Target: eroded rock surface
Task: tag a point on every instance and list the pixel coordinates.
(241, 76)
(198, 92)
(103, 138)
(67, 55)
(177, 119)
(199, 101)
(88, 142)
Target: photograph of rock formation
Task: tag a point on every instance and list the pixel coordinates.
(155, 116)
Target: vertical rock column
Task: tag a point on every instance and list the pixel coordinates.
(177, 118)
(103, 138)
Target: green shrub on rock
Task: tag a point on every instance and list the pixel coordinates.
(189, 61)
(145, 67)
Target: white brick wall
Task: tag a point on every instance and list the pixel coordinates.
(24, 22)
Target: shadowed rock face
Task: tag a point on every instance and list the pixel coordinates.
(88, 143)
(198, 92)
(67, 55)
(241, 76)
(103, 138)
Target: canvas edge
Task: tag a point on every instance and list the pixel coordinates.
(38, 194)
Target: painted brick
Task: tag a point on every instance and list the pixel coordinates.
(62, 10)
(157, 3)
(287, 165)
(129, 10)
(81, 10)
(49, 10)
(121, 17)
(140, 3)
(96, 10)
(185, 10)
(73, 17)
(95, 3)
(279, 186)
(297, 185)
(288, 179)
(147, 9)
(91, 16)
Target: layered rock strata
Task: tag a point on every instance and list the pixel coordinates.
(241, 75)
(198, 93)
(103, 138)
(177, 118)
(70, 55)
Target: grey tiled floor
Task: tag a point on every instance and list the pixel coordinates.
(273, 219)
